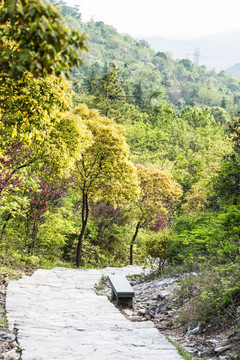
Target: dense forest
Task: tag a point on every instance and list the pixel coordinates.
(132, 157)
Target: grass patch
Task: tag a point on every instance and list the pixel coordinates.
(101, 287)
(213, 296)
(180, 349)
(4, 320)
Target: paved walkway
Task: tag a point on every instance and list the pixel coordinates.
(59, 316)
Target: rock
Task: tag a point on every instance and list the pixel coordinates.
(127, 312)
(195, 330)
(205, 352)
(162, 295)
(11, 355)
(190, 350)
(162, 325)
(141, 312)
(13, 344)
(212, 341)
(135, 318)
(148, 316)
(8, 337)
(222, 348)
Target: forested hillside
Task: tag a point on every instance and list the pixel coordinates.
(234, 70)
(131, 158)
(146, 75)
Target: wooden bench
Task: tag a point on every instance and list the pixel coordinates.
(122, 291)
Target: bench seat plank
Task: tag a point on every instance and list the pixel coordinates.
(121, 286)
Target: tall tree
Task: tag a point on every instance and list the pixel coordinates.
(104, 171)
(109, 95)
(89, 81)
(138, 94)
(159, 195)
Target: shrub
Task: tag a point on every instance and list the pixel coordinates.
(217, 239)
(164, 248)
(214, 296)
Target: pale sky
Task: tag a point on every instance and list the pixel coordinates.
(168, 18)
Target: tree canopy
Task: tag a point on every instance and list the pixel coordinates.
(34, 37)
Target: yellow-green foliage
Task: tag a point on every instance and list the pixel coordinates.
(104, 170)
(163, 247)
(35, 38)
(30, 106)
(65, 144)
(159, 192)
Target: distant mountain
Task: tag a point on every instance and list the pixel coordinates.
(216, 51)
(234, 70)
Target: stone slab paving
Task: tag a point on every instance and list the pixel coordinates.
(59, 316)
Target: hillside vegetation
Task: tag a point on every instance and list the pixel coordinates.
(131, 158)
(147, 76)
(234, 70)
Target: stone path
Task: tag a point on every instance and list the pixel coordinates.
(59, 316)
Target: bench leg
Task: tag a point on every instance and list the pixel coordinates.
(126, 301)
(130, 302)
(113, 296)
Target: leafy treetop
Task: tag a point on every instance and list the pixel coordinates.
(159, 193)
(104, 170)
(35, 38)
(30, 106)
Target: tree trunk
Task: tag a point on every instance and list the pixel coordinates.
(85, 212)
(33, 237)
(132, 242)
(5, 225)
